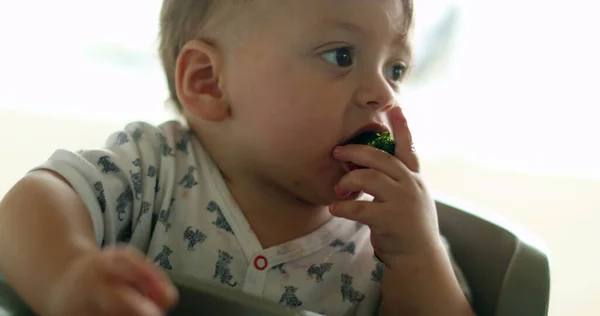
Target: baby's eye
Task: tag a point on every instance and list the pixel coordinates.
(396, 72)
(341, 57)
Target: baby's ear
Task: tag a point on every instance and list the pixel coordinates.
(197, 75)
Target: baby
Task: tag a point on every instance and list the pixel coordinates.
(259, 188)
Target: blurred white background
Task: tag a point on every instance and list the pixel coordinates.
(504, 117)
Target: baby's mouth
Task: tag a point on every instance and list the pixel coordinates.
(382, 141)
(363, 138)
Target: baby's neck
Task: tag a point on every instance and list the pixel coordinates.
(276, 217)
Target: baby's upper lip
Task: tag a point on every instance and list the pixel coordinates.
(375, 127)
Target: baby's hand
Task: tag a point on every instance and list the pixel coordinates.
(402, 216)
(112, 282)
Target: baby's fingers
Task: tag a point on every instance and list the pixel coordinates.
(370, 181)
(124, 300)
(405, 150)
(130, 267)
(364, 212)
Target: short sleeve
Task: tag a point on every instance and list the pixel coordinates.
(124, 183)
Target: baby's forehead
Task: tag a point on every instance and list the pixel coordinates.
(393, 14)
(369, 17)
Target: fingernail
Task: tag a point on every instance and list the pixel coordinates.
(337, 151)
(150, 308)
(341, 194)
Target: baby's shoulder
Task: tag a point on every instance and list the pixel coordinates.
(168, 130)
(167, 140)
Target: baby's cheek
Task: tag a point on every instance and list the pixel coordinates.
(293, 130)
(327, 167)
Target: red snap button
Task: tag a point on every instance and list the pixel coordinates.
(260, 263)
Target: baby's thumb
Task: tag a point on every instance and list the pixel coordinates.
(405, 150)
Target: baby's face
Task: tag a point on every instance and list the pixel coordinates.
(305, 77)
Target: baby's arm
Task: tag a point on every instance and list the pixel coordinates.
(44, 226)
(419, 278)
(431, 285)
(56, 219)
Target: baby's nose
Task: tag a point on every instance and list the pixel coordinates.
(376, 94)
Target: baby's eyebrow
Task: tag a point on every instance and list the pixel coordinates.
(328, 24)
(401, 41)
(403, 44)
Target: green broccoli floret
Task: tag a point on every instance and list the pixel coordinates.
(364, 138)
(385, 142)
(382, 141)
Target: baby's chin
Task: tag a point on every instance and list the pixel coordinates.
(319, 186)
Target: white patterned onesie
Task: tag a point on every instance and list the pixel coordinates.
(156, 188)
